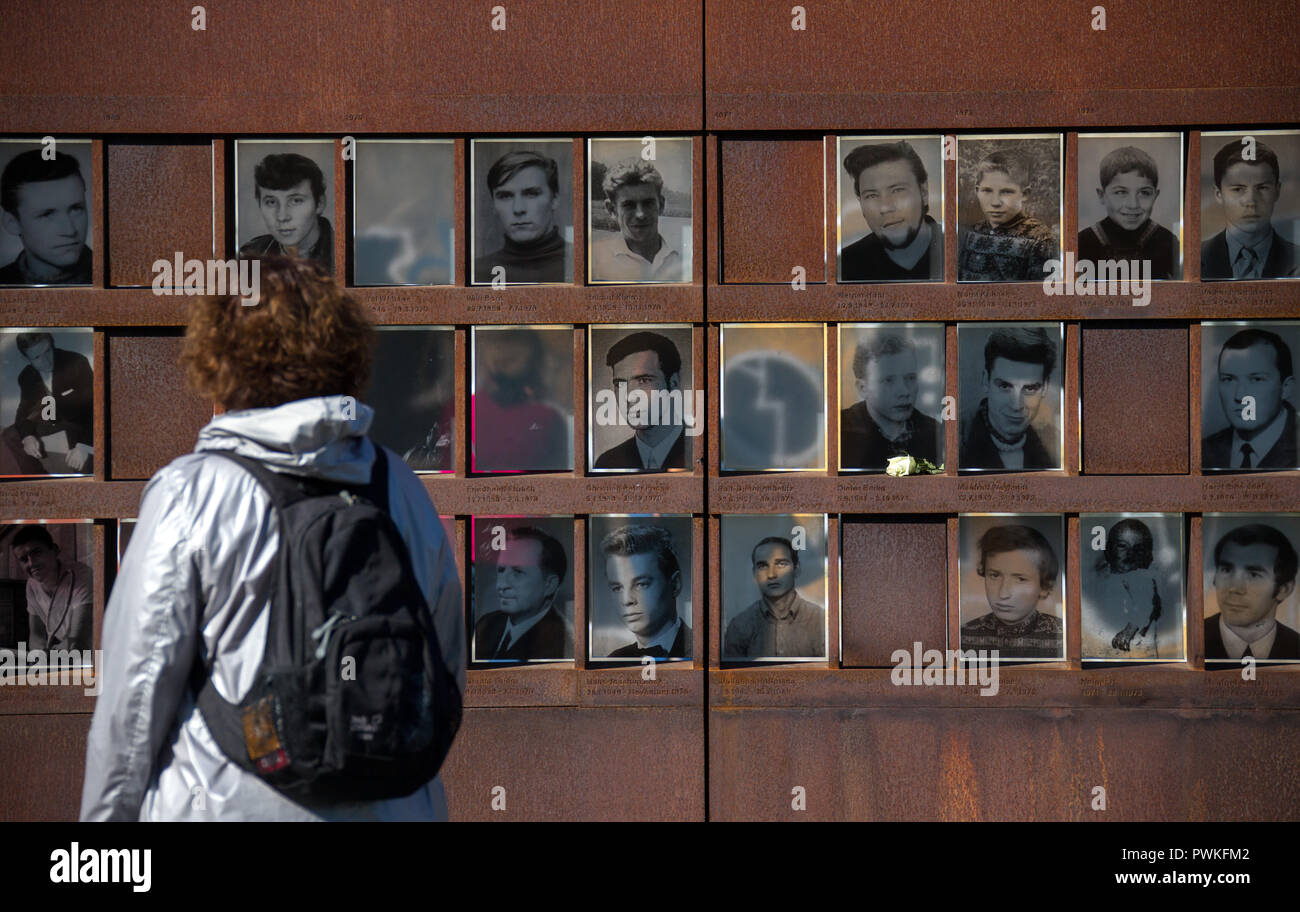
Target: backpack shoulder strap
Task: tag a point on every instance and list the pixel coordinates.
(281, 488)
(378, 487)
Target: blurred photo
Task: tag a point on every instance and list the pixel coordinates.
(773, 397)
(522, 403)
(1133, 607)
(413, 393)
(403, 226)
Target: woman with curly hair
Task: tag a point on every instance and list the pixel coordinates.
(196, 581)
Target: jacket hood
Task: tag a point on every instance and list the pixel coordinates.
(322, 437)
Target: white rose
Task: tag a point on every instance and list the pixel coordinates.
(901, 465)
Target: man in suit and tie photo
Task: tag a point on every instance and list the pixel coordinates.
(1247, 182)
(650, 363)
(645, 581)
(52, 430)
(1254, 573)
(527, 625)
(1255, 384)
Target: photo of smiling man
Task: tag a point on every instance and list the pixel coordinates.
(284, 188)
(45, 199)
(1130, 197)
(640, 602)
(522, 195)
(1012, 585)
(1010, 395)
(887, 226)
(1250, 205)
(1249, 568)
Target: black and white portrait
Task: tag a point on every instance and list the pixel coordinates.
(1249, 572)
(47, 402)
(522, 403)
(47, 587)
(46, 200)
(639, 590)
(890, 208)
(1131, 200)
(1008, 207)
(1250, 205)
(639, 210)
(403, 225)
(284, 199)
(773, 397)
(1248, 396)
(413, 392)
(521, 192)
(774, 589)
(1011, 584)
(644, 411)
(891, 394)
(1133, 607)
(521, 588)
(1011, 396)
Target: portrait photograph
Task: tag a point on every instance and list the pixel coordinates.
(890, 219)
(521, 215)
(47, 587)
(1133, 603)
(1010, 396)
(1250, 205)
(891, 394)
(46, 201)
(774, 587)
(639, 599)
(413, 392)
(643, 411)
(284, 199)
(403, 224)
(1249, 396)
(1011, 585)
(639, 210)
(1009, 207)
(1249, 573)
(1131, 200)
(521, 403)
(521, 589)
(47, 402)
(773, 397)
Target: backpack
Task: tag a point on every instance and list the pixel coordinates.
(352, 699)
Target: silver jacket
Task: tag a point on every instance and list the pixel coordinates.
(195, 584)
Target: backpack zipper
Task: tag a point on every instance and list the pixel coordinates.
(324, 631)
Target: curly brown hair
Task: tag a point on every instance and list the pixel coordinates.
(305, 337)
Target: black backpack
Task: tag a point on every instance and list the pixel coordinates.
(352, 700)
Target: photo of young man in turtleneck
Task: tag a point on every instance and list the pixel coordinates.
(524, 187)
(1007, 431)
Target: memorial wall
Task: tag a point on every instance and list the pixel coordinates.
(840, 411)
